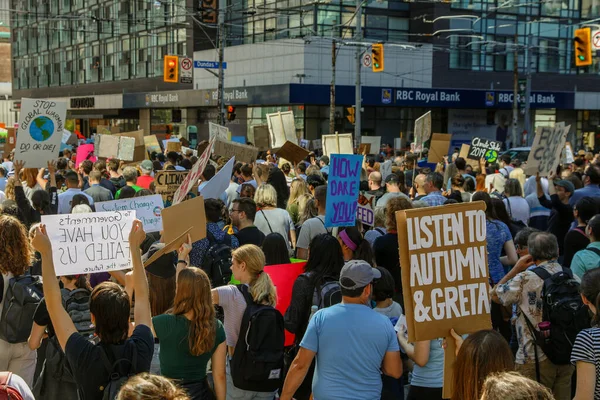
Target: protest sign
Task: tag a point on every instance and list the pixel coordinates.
(365, 211)
(187, 151)
(282, 127)
(173, 245)
(422, 131)
(304, 143)
(241, 152)
(337, 144)
(192, 179)
(113, 146)
(342, 189)
(283, 277)
(364, 148)
(85, 152)
(147, 209)
(292, 152)
(10, 143)
(40, 131)
(152, 144)
(547, 147)
(374, 141)
(464, 152)
(91, 242)
(569, 157)
(438, 147)
(174, 146)
(180, 217)
(65, 136)
(217, 131)
(166, 141)
(317, 144)
(261, 137)
(484, 148)
(167, 183)
(103, 129)
(218, 183)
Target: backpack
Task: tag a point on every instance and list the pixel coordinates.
(77, 304)
(217, 260)
(8, 392)
(257, 362)
(116, 379)
(23, 295)
(327, 295)
(564, 310)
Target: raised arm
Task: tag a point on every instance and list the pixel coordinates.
(183, 256)
(40, 178)
(141, 310)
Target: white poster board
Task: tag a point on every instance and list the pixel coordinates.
(548, 145)
(330, 144)
(218, 183)
(422, 131)
(147, 209)
(374, 141)
(40, 131)
(218, 131)
(281, 128)
(112, 146)
(90, 243)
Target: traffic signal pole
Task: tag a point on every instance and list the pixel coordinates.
(222, 41)
(357, 91)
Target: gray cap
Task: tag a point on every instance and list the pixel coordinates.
(568, 185)
(357, 274)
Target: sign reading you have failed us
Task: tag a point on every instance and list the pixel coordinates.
(40, 131)
(147, 208)
(343, 189)
(90, 243)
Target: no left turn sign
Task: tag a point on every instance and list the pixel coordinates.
(367, 60)
(186, 63)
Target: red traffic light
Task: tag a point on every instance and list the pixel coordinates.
(171, 63)
(230, 109)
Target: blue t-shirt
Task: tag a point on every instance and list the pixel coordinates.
(432, 374)
(497, 234)
(350, 341)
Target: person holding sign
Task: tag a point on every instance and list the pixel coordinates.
(110, 308)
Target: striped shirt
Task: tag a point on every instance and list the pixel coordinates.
(587, 350)
(234, 305)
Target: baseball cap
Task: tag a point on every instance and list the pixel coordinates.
(568, 185)
(146, 165)
(357, 274)
(392, 178)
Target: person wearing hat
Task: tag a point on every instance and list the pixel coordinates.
(353, 344)
(392, 186)
(146, 179)
(561, 216)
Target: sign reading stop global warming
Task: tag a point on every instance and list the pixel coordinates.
(443, 259)
(147, 209)
(484, 148)
(40, 131)
(90, 243)
(342, 190)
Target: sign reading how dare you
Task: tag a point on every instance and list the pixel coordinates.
(90, 243)
(343, 189)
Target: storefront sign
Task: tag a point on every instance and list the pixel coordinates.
(82, 102)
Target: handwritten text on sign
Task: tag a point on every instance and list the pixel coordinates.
(342, 190)
(484, 148)
(546, 150)
(444, 269)
(148, 209)
(90, 243)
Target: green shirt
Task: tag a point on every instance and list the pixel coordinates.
(176, 361)
(585, 259)
(134, 187)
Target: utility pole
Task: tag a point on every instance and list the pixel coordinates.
(332, 91)
(528, 90)
(222, 41)
(515, 116)
(357, 94)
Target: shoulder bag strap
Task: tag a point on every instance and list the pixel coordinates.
(265, 217)
(323, 222)
(542, 273)
(509, 207)
(578, 229)
(535, 350)
(594, 250)
(4, 378)
(380, 231)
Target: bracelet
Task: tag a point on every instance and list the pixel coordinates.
(182, 261)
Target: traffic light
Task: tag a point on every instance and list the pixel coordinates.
(351, 115)
(377, 56)
(583, 47)
(171, 69)
(230, 113)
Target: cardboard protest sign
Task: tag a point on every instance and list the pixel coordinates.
(174, 146)
(261, 137)
(374, 141)
(422, 131)
(113, 146)
(173, 245)
(90, 243)
(192, 179)
(179, 218)
(187, 150)
(241, 152)
(445, 278)
(218, 183)
(40, 131)
(547, 147)
(10, 143)
(282, 127)
(147, 209)
(438, 147)
(217, 131)
(484, 148)
(365, 211)
(167, 183)
(85, 152)
(364, 148)
(464, 152)
(152, 144)
(103, 129)
(337, 144)
(569, 156)
(317, 144)
(292, 152)
(342, 189)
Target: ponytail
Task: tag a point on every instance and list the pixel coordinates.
(261, 286)
(81, 281)
(364, 252)
(354, 240)
(263, 290)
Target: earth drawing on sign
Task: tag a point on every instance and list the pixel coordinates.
(41, 129)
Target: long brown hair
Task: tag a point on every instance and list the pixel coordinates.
(30, 177)
(482, 353)
(193, 294)
(162, 293)
(16, 250)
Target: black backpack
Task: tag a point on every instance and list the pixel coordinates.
(217, 260)
(23, 295)
(116, 378)
(77, 304)
(564, 309)
(257, 362)
(327, 294)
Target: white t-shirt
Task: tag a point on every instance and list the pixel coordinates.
(517, 208)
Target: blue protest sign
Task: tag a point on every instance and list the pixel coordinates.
(343, 189)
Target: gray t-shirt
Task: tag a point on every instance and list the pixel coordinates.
(276, 220)
(310, 229)
(382, 202)
(394, 310)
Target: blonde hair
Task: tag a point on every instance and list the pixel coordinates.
(519, 175)
(297, 189)
(261, 286)
(151, 387)
(513, 386)
(314, 170)
(81, 209)
(265, 196)
(380, 217)
(9, 190)
(193, 294)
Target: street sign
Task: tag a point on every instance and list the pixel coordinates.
(596, 39)
(367, 60)
(209, 64)
(185, 70)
